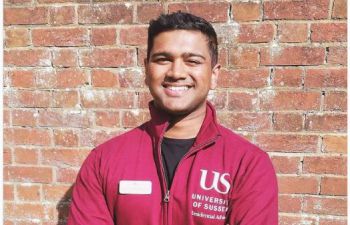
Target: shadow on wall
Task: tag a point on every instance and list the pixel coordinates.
(63, 207)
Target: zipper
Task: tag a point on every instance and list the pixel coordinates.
(165, 184)
(166, 198)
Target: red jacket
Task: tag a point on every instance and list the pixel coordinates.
(223, 179)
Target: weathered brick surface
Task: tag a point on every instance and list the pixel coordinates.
(74, 77)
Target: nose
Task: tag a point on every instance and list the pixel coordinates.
(177, 70)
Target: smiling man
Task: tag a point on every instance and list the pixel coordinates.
(181, 167)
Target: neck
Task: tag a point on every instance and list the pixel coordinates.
(185, 127)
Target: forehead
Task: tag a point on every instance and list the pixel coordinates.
(179, 41)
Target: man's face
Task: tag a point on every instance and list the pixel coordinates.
(179, 72)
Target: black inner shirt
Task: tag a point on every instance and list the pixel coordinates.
(172, 152)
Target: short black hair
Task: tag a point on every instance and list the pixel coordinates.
(183, 21)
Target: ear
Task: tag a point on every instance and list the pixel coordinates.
(145, 63)
(214, 76)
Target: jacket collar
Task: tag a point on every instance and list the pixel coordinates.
(160, 121)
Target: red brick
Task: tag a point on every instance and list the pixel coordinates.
(256, 33)
(104, 14)
(107, 119)
(207, 10)
(332, 221)
(144, 99)
(7, 152)
(148, 11)
(336, 144)
(293, 32)
(333, 186)
(218, 99)
(325, 206)
(244, 57)
(325, 165)
(107, 99)
(65, 58)
(63, 157)
(28, 174)
(141, 56)
(335, 101)
(46, 78)
(294, 55)
(6, 118)
(28, 192)
(25, 16)
(243, 78)
(65, 99)
(287, 122)
(71, 78)
(297, 185)
(103, 36)
(21, 211)
(131, 78)
(8, 192)
(223, 56)
(55, 192)
(66, 138)
(31, 136)
(93, 137)
(59, 118)
(56, 1)
(67, 175)
(296, 220)
(288, 77)
(23, 117)
(289, 203)
(60, 37)
(27, 57)
(17, 37)
(22, 78)
(104, 78)
(28, 98)
(286, 164)
(107, 57)
(19, 2)
(328, 32)
(24, 155)
(289, 100)
(296, 10)
(239, 101)
(246, 11)
(337, 55)
(287, 142)
(134, 118)
(134, 36)
(326, 122)
(339, 9)
(246, 121)
(62, 15)
(330, 77)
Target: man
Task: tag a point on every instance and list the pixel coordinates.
(181, 167)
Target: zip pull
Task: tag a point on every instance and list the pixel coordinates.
(166, 197)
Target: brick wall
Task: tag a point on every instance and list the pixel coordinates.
(73, 78)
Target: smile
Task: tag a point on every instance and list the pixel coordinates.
(180, 88)
(176, 91)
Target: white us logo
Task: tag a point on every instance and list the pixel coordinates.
(217, 178)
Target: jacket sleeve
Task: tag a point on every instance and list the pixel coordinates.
(88, 204)
(254, 198)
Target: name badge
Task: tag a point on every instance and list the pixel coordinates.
(135, 187)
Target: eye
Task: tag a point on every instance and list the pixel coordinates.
(193, 62)
(161, 60)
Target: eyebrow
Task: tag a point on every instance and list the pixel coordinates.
(186, 54)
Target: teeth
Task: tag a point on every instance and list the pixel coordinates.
(181, 88)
